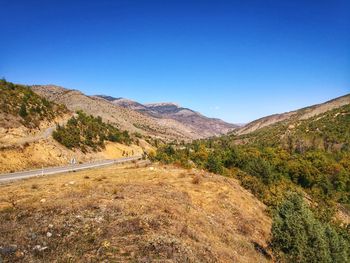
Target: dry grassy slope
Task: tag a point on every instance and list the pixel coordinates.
(300, 114)
(123, 118)
(125, 214)
(48, 152)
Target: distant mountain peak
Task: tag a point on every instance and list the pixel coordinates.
(109, 98)
(162, 104)
(148, 105)
(170, 112)
(123, 99)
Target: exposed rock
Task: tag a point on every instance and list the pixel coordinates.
(7, 250)
(40, 248)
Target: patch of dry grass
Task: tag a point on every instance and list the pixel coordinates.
(121, 214)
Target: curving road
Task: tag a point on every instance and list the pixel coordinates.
(54, 170)
(45, 134)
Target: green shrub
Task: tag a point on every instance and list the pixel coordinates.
(87, 132)
(23, 111)
(260, 168)
(297, 236)
(214, 163)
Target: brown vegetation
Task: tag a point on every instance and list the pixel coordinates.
(122, 214)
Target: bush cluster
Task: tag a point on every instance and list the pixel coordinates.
(298, 236)
(86, 132)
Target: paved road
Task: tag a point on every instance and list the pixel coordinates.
(54, 170)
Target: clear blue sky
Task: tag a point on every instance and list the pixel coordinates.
(236, 60)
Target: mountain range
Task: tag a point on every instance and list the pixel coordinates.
(303, 151)
(197, 122)
(165, 121)
(168, 120)
(30, 114)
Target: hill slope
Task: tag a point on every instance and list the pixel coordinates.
(28, 127)
(299, 167)
(20, 106)
(325, 127)
(195, 121)
(147, 214)
(25, 116)
(294, 116)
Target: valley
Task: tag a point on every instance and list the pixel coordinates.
(175, 131)
(204, 191)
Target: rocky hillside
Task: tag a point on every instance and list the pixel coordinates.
(120, 117)
(193, 120)
(36, 132)
(294, 116)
